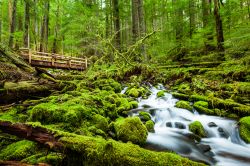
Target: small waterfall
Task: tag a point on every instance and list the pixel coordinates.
(223, 145)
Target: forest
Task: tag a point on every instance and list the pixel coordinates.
(124, 82)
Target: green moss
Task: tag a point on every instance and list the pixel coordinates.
(33, 158)
(100, 122)
(184, 88)
(18, 150)
(145, 116)
(202, 103)
(134, 104)
(229, 105)
(244, 128)
(131, 129)
(198, 98)
(150, 125)
(197, 128)
(133, 92)
(184, 105)
(199, 106)
(96, 151)
(52, 159)
(160, 93)
(180, 96)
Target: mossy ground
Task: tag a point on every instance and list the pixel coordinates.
(91, 107)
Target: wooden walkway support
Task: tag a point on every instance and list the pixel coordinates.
(51, 60)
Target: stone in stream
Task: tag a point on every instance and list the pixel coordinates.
(204, 148)
(212, 124)
(223, 133)
(169, 124)
(179, 125)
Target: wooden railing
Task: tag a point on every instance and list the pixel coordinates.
(51, 60)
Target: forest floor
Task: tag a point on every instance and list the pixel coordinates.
(79, 118)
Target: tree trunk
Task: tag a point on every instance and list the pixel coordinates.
(191, 18)
(219, 28)
(55, 42)
(135, 20)
(116, 18)
(178, 22)
(1, 20)
(13, 24)
(45, 28)
(107, 18)
(27, 24)
(36, 26)
(142, 26)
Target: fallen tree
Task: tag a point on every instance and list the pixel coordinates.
(82, 150)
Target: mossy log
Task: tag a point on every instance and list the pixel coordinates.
(202, 64)
(17, 163)
(83, 150)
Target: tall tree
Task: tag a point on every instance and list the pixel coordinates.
(219, 28)
(1, 20)
(26, 37)
(135, 20)
(191, 17)
(12, 23)
(45, 27)
(117, 28)
(56, 29)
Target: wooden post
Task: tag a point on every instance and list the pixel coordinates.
(69, 63)
(30, 55)
(86, 63)
(53, 60)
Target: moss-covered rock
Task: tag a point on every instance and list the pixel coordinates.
(133, 92)
(184, 105)
(244, 124)
(160, 93)
(18, 150)
(144, 116)
(180, 96)
(131, 129)
(198, 98)
(201, 106)
(197, 128)
(150, 125)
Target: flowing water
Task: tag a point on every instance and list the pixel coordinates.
(223, 145)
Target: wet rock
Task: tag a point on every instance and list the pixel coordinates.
(146, 106)
(223, 133)
(169, 124)
(204, 148)
(179, 125)
(212, 124)
(152, 111)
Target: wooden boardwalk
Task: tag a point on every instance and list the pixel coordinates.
(50, 60)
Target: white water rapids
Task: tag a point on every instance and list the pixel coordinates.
(172, 134)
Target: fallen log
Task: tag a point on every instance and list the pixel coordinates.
(37, 134)
(17, 163)
(82, 150)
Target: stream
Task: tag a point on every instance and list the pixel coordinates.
(223, 145)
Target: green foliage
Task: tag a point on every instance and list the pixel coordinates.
(131, 129)
(184, 105)
(197, 128)
(18, 150)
